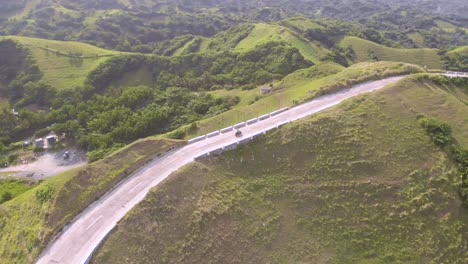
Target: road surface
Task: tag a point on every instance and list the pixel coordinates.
(452, 74)
(79, 240)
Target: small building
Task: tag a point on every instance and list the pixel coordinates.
(52, 139)
(39, 143)
(265, 89)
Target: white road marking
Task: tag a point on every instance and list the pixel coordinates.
(134, 187)
(94, 222)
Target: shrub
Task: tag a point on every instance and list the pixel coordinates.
(440, 132)
(45, 193)
(177, 134)
(42, 132)
(6, 196)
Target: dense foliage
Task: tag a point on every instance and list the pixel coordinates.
(266, 62)
(141, 25)
(19, 81)
(440, 132)
(455, 61)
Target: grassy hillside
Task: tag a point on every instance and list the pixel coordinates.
(10, 188)
(359, 183)
(28, 221)
(364, 49)
(460, 50)
(263, 33)
(245, 38)
(64, 64)
(457, 59)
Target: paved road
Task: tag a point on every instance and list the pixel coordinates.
(452, 74)
(79, 240)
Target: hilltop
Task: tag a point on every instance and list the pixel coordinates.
(361, 182)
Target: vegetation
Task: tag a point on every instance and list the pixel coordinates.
(365, 50)
(361, 182)
(30, 219)
(10, 188)
(116, 116)
(439, 131)
(456, 59)
(64, 65)
(441, 135)
(301, 86)
(271, 60)
(140, 26)
(184, 68)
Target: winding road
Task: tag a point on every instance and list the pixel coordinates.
(78, 240)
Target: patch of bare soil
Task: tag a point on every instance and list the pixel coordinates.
(46, 165)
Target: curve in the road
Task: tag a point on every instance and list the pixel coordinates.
(79, 239)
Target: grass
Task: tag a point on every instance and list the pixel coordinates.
(13, 187)
(463, 51)
(298, 87)
(423, 57)
(446, 26)
(263, 33)
(61, 62)
(300, 23)
(359, 183)
(27, 223)
(417, 39)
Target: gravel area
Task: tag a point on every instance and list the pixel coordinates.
(46, 165)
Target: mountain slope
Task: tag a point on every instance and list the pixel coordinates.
(365, 50)
(139, 24)
(265, 32)
(64, 64)
(359, 183)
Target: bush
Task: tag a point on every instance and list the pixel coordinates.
(6, 196)
(440, 132)
(38, 150)
(45, 193)
(97, 154)
(42, 132)
(177, 134)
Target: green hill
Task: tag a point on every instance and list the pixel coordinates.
(359, 183)
(365, 50)
(64, 64)
(462, 51)
(263, 33)
(457, 59)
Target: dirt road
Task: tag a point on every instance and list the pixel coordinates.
(79, 240)
(45, 166)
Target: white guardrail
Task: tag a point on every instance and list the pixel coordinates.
(457, 73)
(237, 126)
